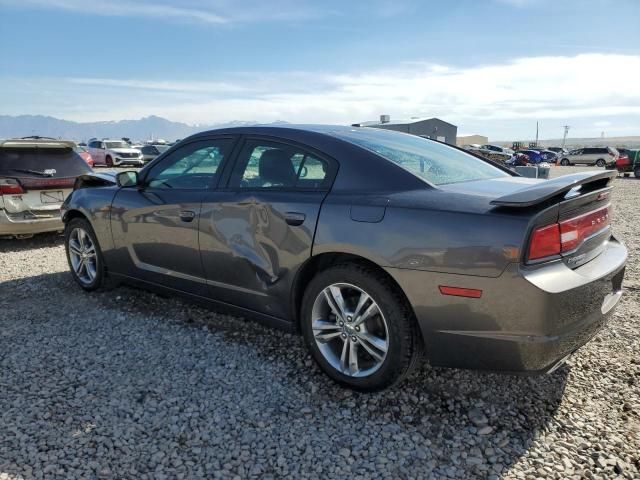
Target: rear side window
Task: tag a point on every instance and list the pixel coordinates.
(41, 162)
(434, 162)
(274, 165)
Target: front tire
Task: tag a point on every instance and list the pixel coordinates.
(83, 254)
(359, 328)
(565, 162)
(109, 161)
(636, 172)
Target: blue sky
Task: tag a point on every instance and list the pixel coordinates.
(492, 67)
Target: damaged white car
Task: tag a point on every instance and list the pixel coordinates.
(36, 175)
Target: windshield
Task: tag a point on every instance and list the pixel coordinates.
(116, 144)
(432, 161)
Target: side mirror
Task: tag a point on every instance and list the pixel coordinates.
(127, 179)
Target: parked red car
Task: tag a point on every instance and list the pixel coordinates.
(86, 156)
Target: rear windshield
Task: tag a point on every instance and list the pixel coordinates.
(40, 162)
(432, 161)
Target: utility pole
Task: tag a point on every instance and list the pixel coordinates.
(536, 133)
(566, 130)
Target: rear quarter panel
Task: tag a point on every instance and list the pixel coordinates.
(429, 238)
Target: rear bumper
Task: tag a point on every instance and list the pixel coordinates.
(10, 226)
(527, 320)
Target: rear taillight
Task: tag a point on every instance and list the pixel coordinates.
(568, 234)
(575, 230)
(10, 186)
(545, 241)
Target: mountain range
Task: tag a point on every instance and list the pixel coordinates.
(142, 129)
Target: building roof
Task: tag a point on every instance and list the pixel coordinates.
(401, 122)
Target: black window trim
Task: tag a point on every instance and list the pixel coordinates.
(332, 171)
(162, 158)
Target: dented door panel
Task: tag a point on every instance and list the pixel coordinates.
(250, 252)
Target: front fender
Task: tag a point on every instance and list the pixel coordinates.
(94, 204)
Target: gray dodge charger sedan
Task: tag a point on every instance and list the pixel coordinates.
(378, 246)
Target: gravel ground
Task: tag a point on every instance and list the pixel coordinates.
(127, 384)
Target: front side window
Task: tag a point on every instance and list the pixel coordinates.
(194, 166)
(434, 162)
(272, 165)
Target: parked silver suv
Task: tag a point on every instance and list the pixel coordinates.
(599, 156)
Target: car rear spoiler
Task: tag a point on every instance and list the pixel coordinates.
(546, 190)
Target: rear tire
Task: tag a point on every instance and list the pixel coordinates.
(84, 254)
(109, 161)
(565, 162)
(636, 172)
(381, 335)
(600, 163)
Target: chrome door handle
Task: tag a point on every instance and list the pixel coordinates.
(187, 215)
(294, 218)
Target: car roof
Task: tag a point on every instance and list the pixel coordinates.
(360, 169)
(33, 142)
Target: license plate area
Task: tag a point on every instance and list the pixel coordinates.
(52, 196)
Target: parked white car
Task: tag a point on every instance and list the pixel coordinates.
(36, 175)
(114, 153)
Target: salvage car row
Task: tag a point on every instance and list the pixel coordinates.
(622, 159)
(117, 153)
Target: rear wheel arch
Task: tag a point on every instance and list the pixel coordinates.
(401, 337)
(323, 261)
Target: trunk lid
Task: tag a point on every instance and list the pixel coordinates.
(36, 177)
(579, 204)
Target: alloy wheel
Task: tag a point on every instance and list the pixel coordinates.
(83, 256)
(350, 330)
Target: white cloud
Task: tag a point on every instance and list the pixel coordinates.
(213, 12)
(485, 99)
(125, 8)
(160, 85)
